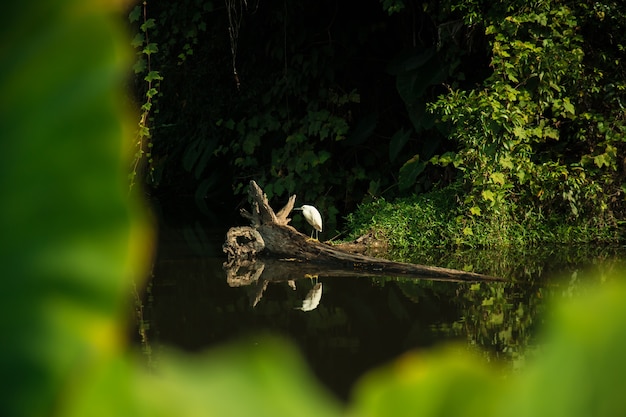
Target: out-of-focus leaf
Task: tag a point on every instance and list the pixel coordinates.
(581, 369)
(71, 247)
(257, 377)
(579, 372)
(68, 235)
(448, 382)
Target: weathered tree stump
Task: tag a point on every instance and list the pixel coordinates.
(271, 236)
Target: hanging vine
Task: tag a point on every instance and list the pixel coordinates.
(145, 49)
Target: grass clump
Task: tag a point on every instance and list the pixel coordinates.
(422, 221)
(439, 219)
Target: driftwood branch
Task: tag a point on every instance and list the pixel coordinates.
(271, 236)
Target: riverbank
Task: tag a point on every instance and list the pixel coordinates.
(439, 220)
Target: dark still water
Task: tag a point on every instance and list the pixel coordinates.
(357, 323)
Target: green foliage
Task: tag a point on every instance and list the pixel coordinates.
(180, 140)
(534, 138)
(293, 116)
(288, 156)
(290, 132)
(523, 103)
(73, 243)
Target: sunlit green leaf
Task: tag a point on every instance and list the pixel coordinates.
(600, 160)
(488, 195)
(152, 76)
(519, 132)
(151, 48)
(551, 133)
(506, 162)
(497, 318)
(488, 301)
(475, 211)
(568, 106)
(445, 159)
(498, 178)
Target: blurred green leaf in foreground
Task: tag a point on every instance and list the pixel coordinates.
(71, 240)
(73, 243)
(579, 371)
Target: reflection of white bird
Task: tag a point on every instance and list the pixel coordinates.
(314, 218)
(312, 299)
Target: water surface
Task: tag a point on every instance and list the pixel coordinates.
(358, 323)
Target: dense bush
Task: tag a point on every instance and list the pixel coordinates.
(543, 133)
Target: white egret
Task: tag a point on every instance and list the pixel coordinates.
(314, 218)
(312, 299)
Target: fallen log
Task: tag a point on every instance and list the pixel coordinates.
(270, 235)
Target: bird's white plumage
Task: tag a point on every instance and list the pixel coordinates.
(312, 216)
(312, 299)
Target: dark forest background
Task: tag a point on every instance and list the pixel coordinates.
(518, 106)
